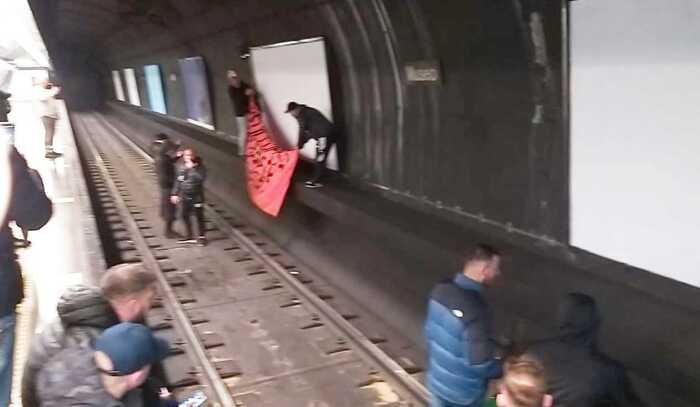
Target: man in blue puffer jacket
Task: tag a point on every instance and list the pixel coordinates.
(460, 351)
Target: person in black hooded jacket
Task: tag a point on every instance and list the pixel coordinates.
(165, 157)
(578, 374)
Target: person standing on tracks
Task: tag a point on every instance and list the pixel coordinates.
(314, 125)
(48, 111)
(126, 293)
(188, 192)
(165, 156)
(461, 355)
(119, 363)
(238, 92)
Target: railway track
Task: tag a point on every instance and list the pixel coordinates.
(248, 324)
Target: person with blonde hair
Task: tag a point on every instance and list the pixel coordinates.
(524, 384)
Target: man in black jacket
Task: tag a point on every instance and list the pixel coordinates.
(314, 125)
(165, 157)
(578, 375)
(126, 293)
(29, 206)
(188, 191)
(238, 92)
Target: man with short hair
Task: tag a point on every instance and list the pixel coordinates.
(126, 294)
(120, 362)
(460, 351)
(314, 125)
(523, 384)
(238, 92)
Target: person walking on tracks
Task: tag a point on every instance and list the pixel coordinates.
(165, 156)
(188, 192)
(461, 358)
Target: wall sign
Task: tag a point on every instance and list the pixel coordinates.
(423, 72)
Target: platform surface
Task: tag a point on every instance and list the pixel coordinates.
(67, 250)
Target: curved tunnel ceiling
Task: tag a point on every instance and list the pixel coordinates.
(91, 25)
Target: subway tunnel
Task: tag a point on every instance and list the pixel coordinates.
(459, 122)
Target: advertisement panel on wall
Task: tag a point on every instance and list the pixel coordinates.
(194, 79)
(118, 87)
(634, 133)
(154, 86)
(131, 87)
(293, 71)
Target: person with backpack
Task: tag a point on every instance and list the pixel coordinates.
(28, 206)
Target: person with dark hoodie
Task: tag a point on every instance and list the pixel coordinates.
(165, 157)
(126, 293)
(314, 125)
(578, 374)
(26, 204)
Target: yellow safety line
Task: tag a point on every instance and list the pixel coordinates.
(24, 332)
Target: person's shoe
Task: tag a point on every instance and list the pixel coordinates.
(52, 154)
(311, 184)
(187, 239)
(202, 241)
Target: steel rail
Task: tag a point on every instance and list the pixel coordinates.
(394, 374)
(197, 354)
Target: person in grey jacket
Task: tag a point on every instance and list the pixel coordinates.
(126, 294)
(105, 375)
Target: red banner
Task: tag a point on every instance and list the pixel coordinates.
(269, 168)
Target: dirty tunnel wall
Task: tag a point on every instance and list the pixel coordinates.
(487, 140)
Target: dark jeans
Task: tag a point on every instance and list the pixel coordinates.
(323, 147)
(167, 209)
(190, 206)
(7, 340)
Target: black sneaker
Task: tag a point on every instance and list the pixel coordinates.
(202, 241)
(187, 240)
(311, 184)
